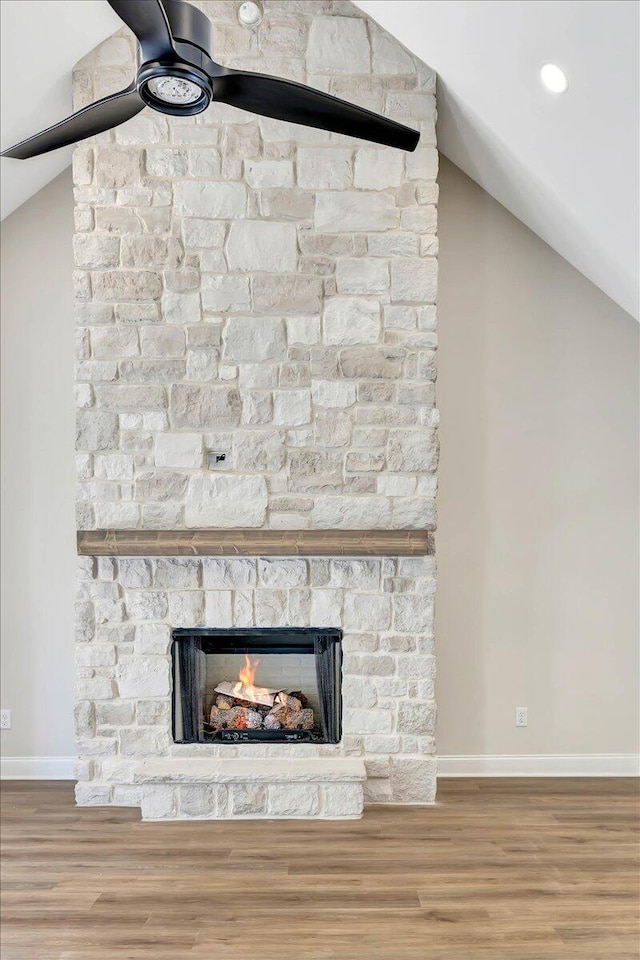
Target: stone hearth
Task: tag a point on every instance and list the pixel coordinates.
(256, 348)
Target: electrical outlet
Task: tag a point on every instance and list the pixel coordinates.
(5, 719)
(521, 717)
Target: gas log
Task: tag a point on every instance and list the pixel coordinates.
(286, 711)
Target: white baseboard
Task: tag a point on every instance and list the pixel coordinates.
(542, 765)
(37, 768)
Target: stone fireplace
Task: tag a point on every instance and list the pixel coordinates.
(256, 352)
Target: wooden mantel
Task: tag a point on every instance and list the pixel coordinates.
(281, 543)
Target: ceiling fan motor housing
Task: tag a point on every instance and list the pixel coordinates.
(191, 92)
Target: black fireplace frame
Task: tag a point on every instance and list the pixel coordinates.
(188, 651)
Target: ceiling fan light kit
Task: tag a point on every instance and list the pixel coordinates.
(177, 76)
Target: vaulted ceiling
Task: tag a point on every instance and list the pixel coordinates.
(566, 165)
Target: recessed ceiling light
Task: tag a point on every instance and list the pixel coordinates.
(553, 78)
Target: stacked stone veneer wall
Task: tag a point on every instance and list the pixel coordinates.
(256, 348)
(128, 607)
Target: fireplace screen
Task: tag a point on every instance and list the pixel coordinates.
(274, 685)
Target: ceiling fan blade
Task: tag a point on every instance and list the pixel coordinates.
(148, 20)
(286, 100)
(96, 118)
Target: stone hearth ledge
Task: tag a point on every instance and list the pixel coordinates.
(219, 789)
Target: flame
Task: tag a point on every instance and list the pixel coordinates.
(245, 688)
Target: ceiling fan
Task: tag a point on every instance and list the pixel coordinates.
(176, 75)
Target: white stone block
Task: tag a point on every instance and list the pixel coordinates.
(254, 339)
(291, 407)
(413, 779)
(162, 342)
(226, 501)
(198, 800)
(293, 800)
(389, 56)
(95, 655)
(204, 406)
(113, 467)
(186, 608)
(96, 688)
(303, 330)
(422, 220)
(262, 174)
(326, 607)
(84, 395)
(417, 718)
(414, 280)
(207, 234)
(412, 614)
(248, 799)
(349, 211)
(378, 168)
(134, 572)
(92, 794)
(271, 608)
(323, 168)
(153, 639)
(95, 250)
(395, 485)
(333, 393)
(351, 512)
(413, 513)
(338, 45)
(181, 573)
(377, 791)
(166, 163)
(282, 573)
(225, 572)
(256, 245)
(96, 431)
(143, 742)
(126, 796)
(363, 275)
(342, 800)
(351, 320)
(159, 802)
(412, 451)
(216, 201)
(143, 677)
(355, 574)
(218, 608)
(422, 164)
(225, 294)
(358, 721)
(364, 611)
(181, 307)
(358, 691)
(179, 450)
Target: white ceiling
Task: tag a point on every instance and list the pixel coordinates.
(40, 41)
(567, 166)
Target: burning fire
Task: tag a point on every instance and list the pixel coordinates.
(245, 688)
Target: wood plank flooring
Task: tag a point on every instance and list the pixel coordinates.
(497, 870)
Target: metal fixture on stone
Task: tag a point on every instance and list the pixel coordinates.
(249, 13)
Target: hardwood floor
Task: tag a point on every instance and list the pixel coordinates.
(497, 870)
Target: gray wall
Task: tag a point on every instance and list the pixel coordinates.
(38, 476)
(538, 497)
(538, 501)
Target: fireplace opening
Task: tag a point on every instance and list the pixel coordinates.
(269, 685)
